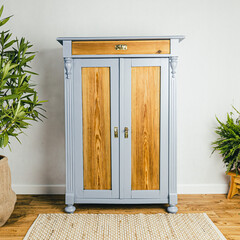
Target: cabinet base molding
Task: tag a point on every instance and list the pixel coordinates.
(122, 201)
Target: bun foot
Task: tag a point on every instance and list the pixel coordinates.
(70, 209)
(172, 208)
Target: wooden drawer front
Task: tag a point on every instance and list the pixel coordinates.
(109, 47)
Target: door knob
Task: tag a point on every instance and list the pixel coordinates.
(126, 132)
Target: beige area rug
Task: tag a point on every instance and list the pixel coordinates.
(123, 226)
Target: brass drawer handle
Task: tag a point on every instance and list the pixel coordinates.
(126, 132)
(121, 47)
(116, 132)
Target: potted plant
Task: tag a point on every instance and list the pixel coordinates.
(18, 105)
(228, 143)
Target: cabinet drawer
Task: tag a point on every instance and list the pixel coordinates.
(121, 47)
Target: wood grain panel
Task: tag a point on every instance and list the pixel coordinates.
(145, 103)
(96, 128)
(133, 47)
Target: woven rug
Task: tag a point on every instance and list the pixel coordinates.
(123, 226)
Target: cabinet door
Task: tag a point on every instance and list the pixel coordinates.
(96, 109)
(144, 114)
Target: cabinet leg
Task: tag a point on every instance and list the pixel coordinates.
(172, 208)
(70, 208)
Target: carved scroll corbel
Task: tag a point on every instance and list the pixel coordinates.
(68, 67)
(173, 63)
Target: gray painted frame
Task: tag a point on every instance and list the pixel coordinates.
(125, 121)
(71, 124)
(114, 92)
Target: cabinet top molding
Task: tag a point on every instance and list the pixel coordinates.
(62, 39)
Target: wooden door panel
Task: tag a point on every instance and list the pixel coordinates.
(96, 128)
(145, 128)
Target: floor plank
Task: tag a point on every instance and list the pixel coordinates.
(223, 212)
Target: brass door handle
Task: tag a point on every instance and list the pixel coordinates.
(116, 132)
(121, 47)
(126, 132)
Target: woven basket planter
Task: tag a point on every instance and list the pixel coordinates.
(7, 196)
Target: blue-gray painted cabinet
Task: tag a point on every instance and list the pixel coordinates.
(120, 120)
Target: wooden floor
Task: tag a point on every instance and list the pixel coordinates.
(224, 213)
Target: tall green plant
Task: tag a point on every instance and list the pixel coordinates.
(18, 98)
(228, 143)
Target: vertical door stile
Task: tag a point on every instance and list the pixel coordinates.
(125, 121)
(114, 116)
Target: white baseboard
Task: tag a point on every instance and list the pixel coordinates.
(38, 189)
(182, 189)
(202, 188)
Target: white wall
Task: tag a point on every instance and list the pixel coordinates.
(208, 78)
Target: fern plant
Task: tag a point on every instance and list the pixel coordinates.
(18, 99)
(228, 143)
